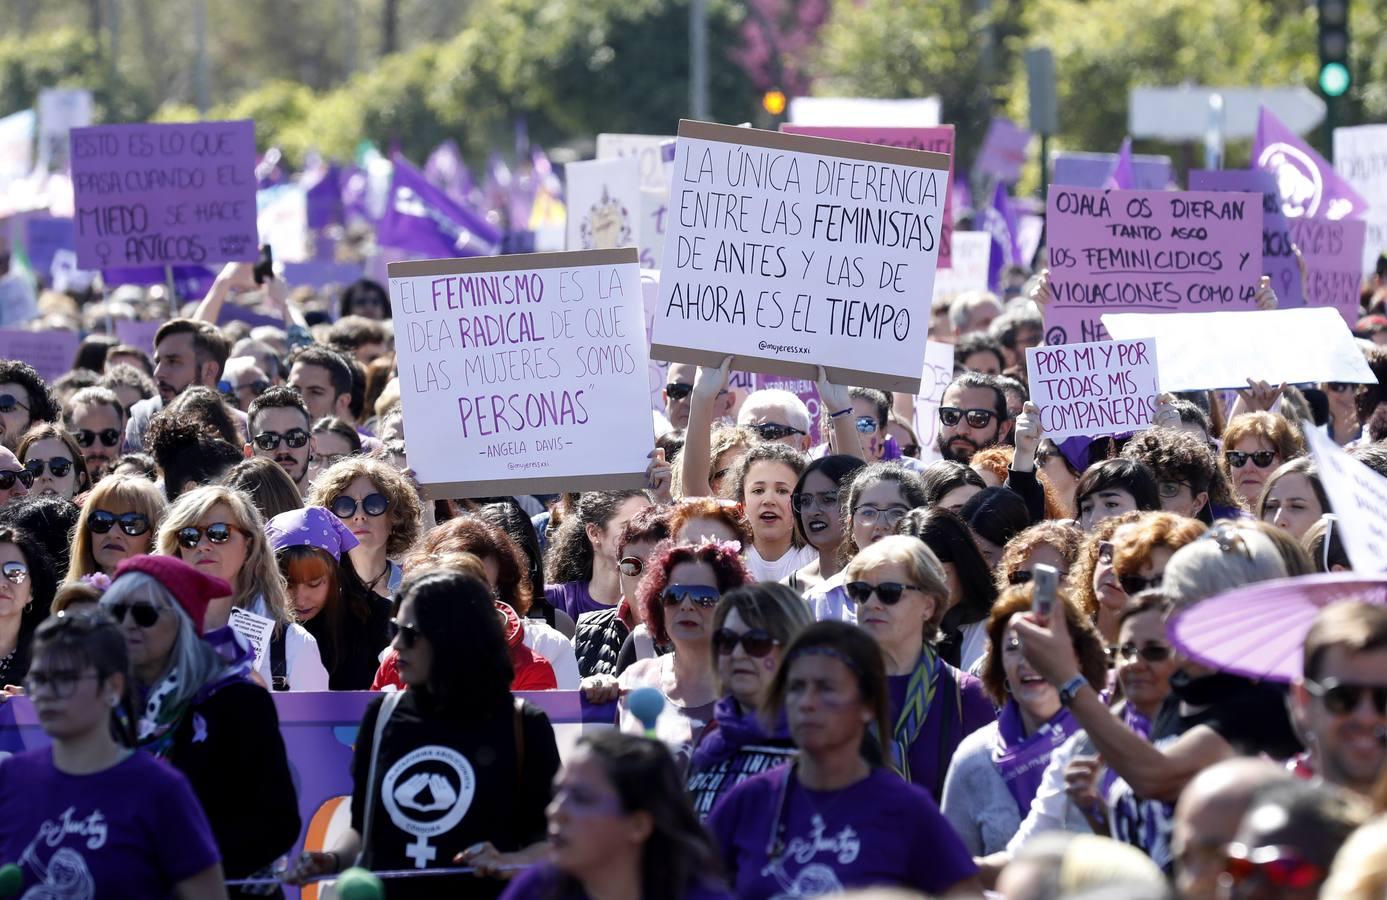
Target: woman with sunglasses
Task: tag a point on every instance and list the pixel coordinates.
(835, 818)
(582, 561)
(1254, 444)
(1293, 497)
(1092, 581)
(995, 772)
(201, 713)
(765, 481)
(963, 630)
(27, 585)
(1142, 549)
(160, 843)
(456, 746)
(677, 595)
(751, 627)
(219, 532)
(118, 520)
(819, 516)
(53, 457)
(620, 826)
(382, 510)
(1052, 543)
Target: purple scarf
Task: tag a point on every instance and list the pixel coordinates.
(730, 731)
(1137, 724)
(1021, 760)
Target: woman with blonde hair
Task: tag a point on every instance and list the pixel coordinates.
(381, 508)
(218, 531)
(118, 520)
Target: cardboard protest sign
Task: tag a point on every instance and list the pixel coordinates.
(524, 373)
(1278, 257)
(939, 371)
(1360, 158)
(604, 201)
(969, 265)
(1333, 252)
(1211, 351)
(164, 194)
(1148, 251)
(49, 352)
(1094, 389)
(790, 252)
(1358, 496)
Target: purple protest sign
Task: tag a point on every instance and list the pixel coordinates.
(189, 282)
(936, 139)
(1148, 251)
(1333, 251)
(1082, 169)
(1278, 259)
(1003, 150)
(164, 194)
(45, 236)
(49, 352)
(137, 333)
(320, 273)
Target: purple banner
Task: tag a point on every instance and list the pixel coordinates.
(320, 273)
(164, 194)
(1278, 259)
(324, 198)
(1091, 170)
(49, 352)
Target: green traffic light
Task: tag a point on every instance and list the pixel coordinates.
(1334, 79)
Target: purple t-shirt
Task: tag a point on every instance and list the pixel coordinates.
(942, 731)
(877, 832)
(135, 830)
(539, 883)
(573, 598)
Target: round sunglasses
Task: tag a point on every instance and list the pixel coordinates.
(631, 566)
(58, 465)
(217, 533)
(132, 523)
(372, 504)
(23, 476)
(757, 642)
(890, 592)
(109, 437)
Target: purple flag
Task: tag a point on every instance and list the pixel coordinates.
(999, 220)
(1003, 150)
(355, 184)
(323, 189)
(420, 218)
(1308, 184)
(1121, 178)
(446, 170)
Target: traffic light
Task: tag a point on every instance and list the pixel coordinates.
(1334, 73)
(774, 102)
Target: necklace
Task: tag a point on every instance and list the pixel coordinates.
(371, 585)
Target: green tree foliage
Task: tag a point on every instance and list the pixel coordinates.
(65, 57)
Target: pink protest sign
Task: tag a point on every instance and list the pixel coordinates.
(164, 194)
(1333, 252)
(1148, 251)
(1003, 150)
(1278, 256)
(936, 138)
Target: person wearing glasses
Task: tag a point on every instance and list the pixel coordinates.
(154, 838)
(582, 563)
(97, 419)
(836, 817)
(1054, 543)
(27, 585)
(678, 593)
(1254, 444)
(1293, 497)
(381, 508)
(281, 430)
(819, 516)
(219, 532)
(997, 769)
(1189, 480)
(600, 634)
(333, 441)
(972, 415)
(678, 391)
(24, 400)
(53, 457)
(454, 770)
(752, 626)
(1140, 553)
(765, 481)
(201, 714)
(900, 592)
(119, 519)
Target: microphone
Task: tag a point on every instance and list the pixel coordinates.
(646, 704)
(357, 883)
(11, 879)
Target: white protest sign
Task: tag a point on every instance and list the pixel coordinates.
(523, 374)
(1214, 350)
(1094, 389)
(789, 252)
(939, 371)
(1360, 158)
(604, 204)
(1358, 496)
(60, 111)
(647, 150)
(256, 629)
(650, 296)
(968, 272)
(864, 111)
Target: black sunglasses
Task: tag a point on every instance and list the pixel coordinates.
(7, 479)
(132, 523)
(58, 465)
(774, 431)
(1341, 699)
(15, 572)
(269, 440)
(1261, 458)
(698, 594)
(678, 390)
(372, 504)
(1339, 387)
(143, 614)
(217, 533)
(890, 592)
(631, 566)
(409, 635)
(757, 642)
(8, 403)
(977, 418)
(1135, 584)
(1152, 653)
(109, 437)
(1021, 576)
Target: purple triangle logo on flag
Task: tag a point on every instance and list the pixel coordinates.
(1122, 178)
(420, 218)
(1307, 183)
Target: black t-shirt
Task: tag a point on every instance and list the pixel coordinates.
(445, 782)
(352, 666)
(1250, 715)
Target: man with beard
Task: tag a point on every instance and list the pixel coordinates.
(972, 415)
(281, 430)
(24, 400)
(96, 418)
(186, 352)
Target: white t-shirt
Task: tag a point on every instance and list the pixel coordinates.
(777, 570)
